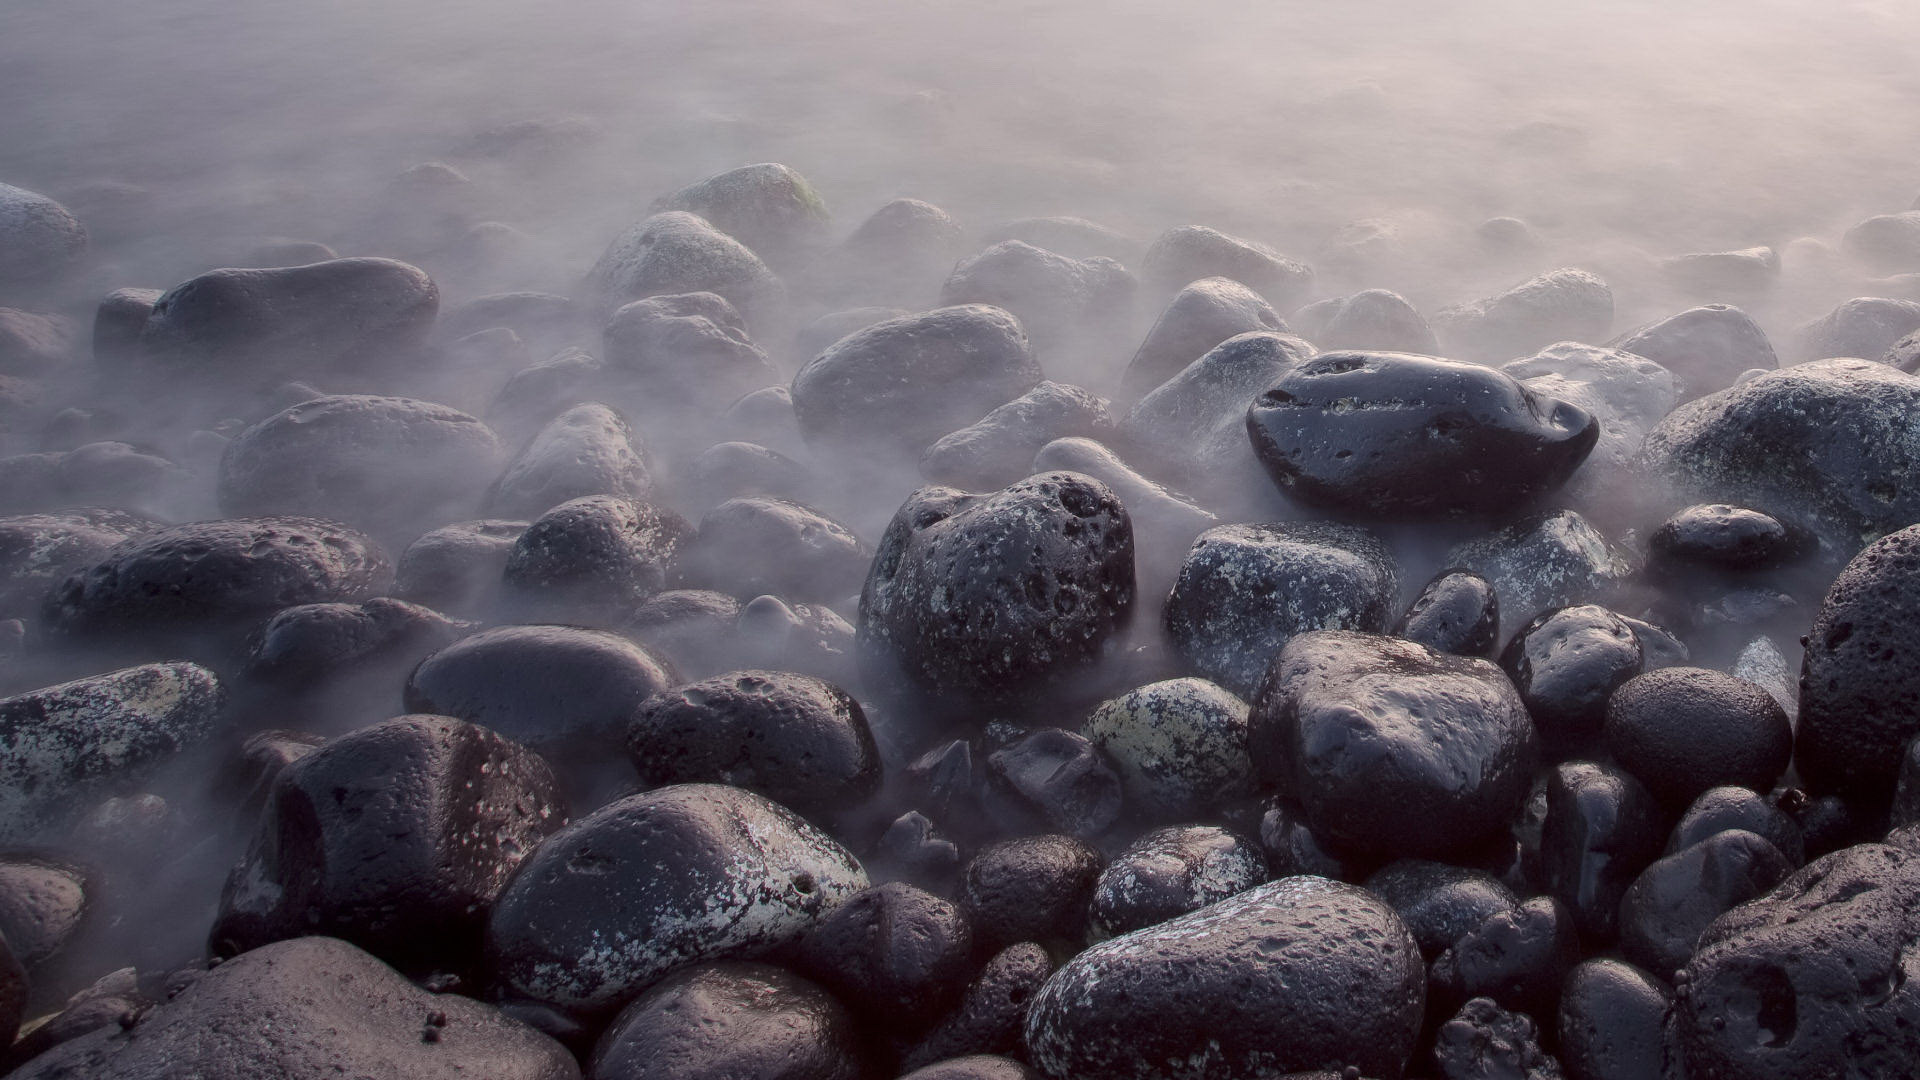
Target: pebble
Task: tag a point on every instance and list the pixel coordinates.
(754, 545)
(1169, 872)
(39, 238)
(587, 450)
(1457, 612)
(1192, 428)
(1200, 316)
(731, 1020)
(1179, 747)
(1034, 888)
(999, 448)
(1612, 1023)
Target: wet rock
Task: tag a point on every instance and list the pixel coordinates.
(690, 628)
(810, 638)
(1560, 305)
(1458, 612)
(990, 1013)
(1393, 434)
(1670, 904)
(595, 558)
(1810, 978)
(730, 1021)
(1169, 872)
(346, 316)
(1566, 663)
(396, 837)
(587, 450)
(537, 393)
(1164, 521)
(1682, 730)
(39, 238)
(899, 255)
(768, 207)
(454, 568)
(798, 740)
(1192, 428)
(1074, 237)
(1859, 684)
(1721, 537)
(43, 903)
(897, 955)
(1389, 746)
(383, 463)
(1059, 299)
(1053, 780)
(1866, 326)
(304, 646)
(245, 778)
(987, 598)
(1291, 846)
(684, 874)
(1611, 1022)
(1552, 560)
(766, 417)
(1179, 746)
(1375, 319)
(1301, 973)
(310, 1007)
(117, 325)
(1747, 272)
(37, 550)
(677, 252)
(903, 383)
(731, 470)
(1707, 348)
(35, 344)
(1627, 394)
(686, 350)
(1440, 903)
(1200, 316)
(542, 686)
(1602, 828)
(1727, 807)
(813, 339)
(974, 1067)
(547, 323)
(1885, 243)
(214, 576)
(756, 545)
(1183, 255)
(915, 850)
(1486, 1042)
(998, 449)
(1518, 957)
(1035, 888)
(1245, 590)
(114, 998)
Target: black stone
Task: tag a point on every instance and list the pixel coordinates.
(594, 558)
(896, 955)
(1519, 958)
(1671, 903)
(1035, 888)
(1682, 730)
(988, 1018)
(730, 1021)
(1723, 537)
(1053, 780)
(685, 351)
(1612, 1023)
(1458, 612)
(1602, 828)
(587, 450)
(1859, 682)
(1566, 663)
(1486, 1042)
(456, 568)
(1200, 316)
(1728, 807)
(1440, 903)
(304, 646)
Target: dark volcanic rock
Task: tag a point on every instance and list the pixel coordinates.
(37, 550)
(677, 252)
(595, 558)
(1164, 521)
(456, 566)
(1612, 1017)
(1051, 779)
(998, 449)
(1035, 888)
(1670, 904)
(1200, 316)
(1301, 973)
(1485, 1042)
(1722, 808)
(1458, 612)
(1440, 903)
(1566, 663)
(756, 545)
(1708, 348)
(898, 955)
(39, 238)
(991, 1011)
(1722, 537)
(1169, 872)
(730, 1021)
(1389, 746)
(587, 450)
(1859, 682)
(679, 875)
(306, 645)
(1180, 747)
(1518, 957)
(1561, 305)
(1186, 254)
(1393, 434)
(1682, 730)
(990, 597)
(1602, 828)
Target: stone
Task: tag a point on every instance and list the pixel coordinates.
(731, 1020)
(1747, 272)
(1164, 521)
(1375, 319)
(1485, 1042)
(991, 1010)
(1612, 1018)
(1545, 561)
(755, 545)
(898, 956)
(587, 450)
(1440, 903)
(307, 646)
(1706, 348)
(1866, 326)
(1728, 807)
(32, 343)
(1200, 316)
(999, 448)
(1179, 746)
(899, 255)
(1716, 536)
(455, 568)
(1192, 428)
(768, 207)
(677, 252)
(1602, 828)
(688, 350)
(1053, 780)
(1034, 888)
(1457, 612)
(1566, 664)
(1560, 305)
(39, 238)
(1518, 957)
(1682, 730)
(1670, 904)
(595, 557)
(1885, 243)
(1060, 300)
(1169, 872)
(1625, 393)
(1183, 255)
(37, 550)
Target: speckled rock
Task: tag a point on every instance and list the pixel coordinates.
(594, 558)
(1180, 747)
(1035, 888)
(44, 903)
(677, 252)
(1374, 319)
(768, 207)
(1192, 428)
(1706, 348)
(1673, 900)
(1245, 590)
(1865, 326)
(1440, 903)
(1039, 575)
(730, 1021)
(1301, 973)
(1169, 872)
(1541, 562)
(1390, 747)
(998, 449)
(991, 1011)
(1188, 253)
(757, 545)
(679, 875)
(587, 450)
(1627, 394)
(306, 1009)
(1859, 684)
(37, 550)
(1457, 612)
(39, 238)
(1561, 305)
(689, 350)
(455, 567)
(1200, 316)
(1058, 299)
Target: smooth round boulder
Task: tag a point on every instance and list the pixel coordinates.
(999, 448)
(685, 874)
(1864, 326)
(1728, 807)
(1192, 428)
(1566, 664)
(594, 558)
(306, 647)
(1560, 305)
(1179, 746)
(1611, 1022)
(1301, 973)
(1390, 747)
(43, 903)
(1716, 536)
(1035, 888)
(730, 1021)
(1457, 612)
(897, 955)
(1200, 316)
(1371, 319)
(1169, 872)
(1682, 730)
(769, 207)
(1398, 435)
(39, 238)
(685, 351)
(587, 450)
(990, 1013)
(756, 545)
(1189, 253)
(1708, 348)
(1670, 904)
(677, 252)
(1060, 300)
(1859, 682)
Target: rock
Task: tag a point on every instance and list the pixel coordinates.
(454, 568)
(897, 955)
(999, 448)
(305, 1009)
(1164, 522)
(1055, 781)
(677, 252)
(901, 384)
(1192, 428)
(1440, 903)
(974, 1067)
(687, 350)
(546, 687)
(1518, 957)
(732, 470)
(381, 463)
(1398, 435)
(1457, 612)
(396, 837)
(117, 325)
(1245, 590)
(1179, 746)
(1560, 305)
(991, 1011)
(111, 999)
(1301, 973)
(800, 741)
(1906, 787)
(768, 207)
(1389, 746)
(899, 255)
(1748, 272)
(305, 646)
(547, 323)
(214, 576)
(39, 238)
(1706, 348)
(1627, 394)
(1200, 316)
(1291, 846)
(1035, 888)
(1810, 978)
(37, 550)
(329, 319)
(1169, 872)
(730, 1021)
(1602, 828)
(43, 903)
(1566, 663)
(913, 849)
(539, 392)
(1721, 537)
(690, 628)
(686, 874)
(1551, 560)
(1859, 685)
(595, 558)
(1728, 807)
(756, 545)
(1733, 733)
(35, 344)
(1612, 1020)
(587, 450)
(809, 638)
(1885, 243)
(1074, 237)
(766, 416)
(1183, 255)
(990, 597)
(1059, 299)
(1485, 1042)
(1866, 326)
(1375, 319)
(1670, 904)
